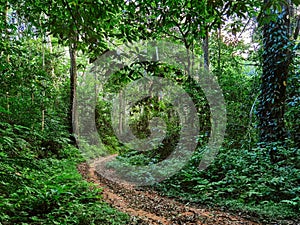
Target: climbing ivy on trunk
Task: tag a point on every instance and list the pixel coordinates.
(276, 59)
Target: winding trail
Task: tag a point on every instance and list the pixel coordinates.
(147, 206)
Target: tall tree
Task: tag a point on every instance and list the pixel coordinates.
(84, 26)
(276, 59)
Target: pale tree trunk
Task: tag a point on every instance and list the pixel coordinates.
(219, 50)
(5, 19)
(7, 101)
(43, 107)
(121, 119)
(205, 47)
(49, 45)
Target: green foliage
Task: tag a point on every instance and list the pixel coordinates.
(39, 183)
(31, 102)
(240, 86)
(183, 21)
(52, 192)
(242, 179)
(148, 108)
(70, 19)
(103, 123)
(292, 117)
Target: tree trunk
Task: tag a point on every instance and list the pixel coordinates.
(297, 28)
(276, 60)
(73, 113)
(205, 47)
(219, 50)
(6, 32)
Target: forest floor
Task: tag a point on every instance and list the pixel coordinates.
(148, 207)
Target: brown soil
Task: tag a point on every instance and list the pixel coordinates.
(147, 206)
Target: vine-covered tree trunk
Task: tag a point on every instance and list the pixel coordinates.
(276, 60)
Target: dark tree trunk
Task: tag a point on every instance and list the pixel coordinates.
(297, 28)
(73, 114)
(276, 61)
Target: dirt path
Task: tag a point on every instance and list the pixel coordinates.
(148, 207)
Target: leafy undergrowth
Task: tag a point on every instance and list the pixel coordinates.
(243, 181)
(50, 191)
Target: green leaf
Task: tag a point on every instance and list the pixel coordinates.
(296, 2)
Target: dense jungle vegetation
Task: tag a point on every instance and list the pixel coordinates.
(251, 48)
